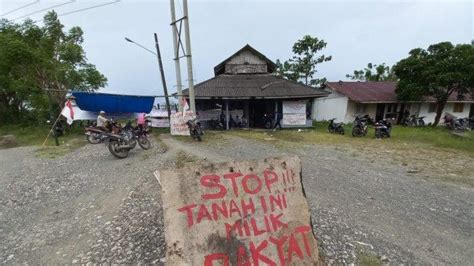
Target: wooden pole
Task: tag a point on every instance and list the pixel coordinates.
(51, 130)
(227, 114)
(162, 72)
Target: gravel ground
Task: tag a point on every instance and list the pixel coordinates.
(90, 207)
(84, 207)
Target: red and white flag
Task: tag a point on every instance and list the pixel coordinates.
(185, 105)
(68, 112)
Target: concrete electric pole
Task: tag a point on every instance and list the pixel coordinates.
(178, 45)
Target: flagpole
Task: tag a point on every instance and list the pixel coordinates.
(49, 133)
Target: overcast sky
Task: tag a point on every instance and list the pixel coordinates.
(357, 32)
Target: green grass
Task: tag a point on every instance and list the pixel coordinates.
(35, 136)
(426, 137)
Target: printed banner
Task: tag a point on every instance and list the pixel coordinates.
(294, 113)
(239, 213)
(178, 123)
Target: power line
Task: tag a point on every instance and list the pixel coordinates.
(21, 7)
(44, 9)
(86, 8)
(91, 7)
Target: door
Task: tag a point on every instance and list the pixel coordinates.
(379, 112)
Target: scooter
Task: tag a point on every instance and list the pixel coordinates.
(335, 127)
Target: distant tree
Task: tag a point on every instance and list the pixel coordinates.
(36, 59)
(439, 71)
(374, 72)
(302, 66)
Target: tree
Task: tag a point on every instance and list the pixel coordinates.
(38, 65)
(374, 72)
(302, 66)
(439, 72)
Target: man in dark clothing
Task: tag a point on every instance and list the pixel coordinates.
(278, 118)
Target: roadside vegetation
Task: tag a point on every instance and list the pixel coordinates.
(426, 137)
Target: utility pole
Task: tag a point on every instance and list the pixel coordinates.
(178, 45)
(163, 80)
(188, 57)
(176, 53)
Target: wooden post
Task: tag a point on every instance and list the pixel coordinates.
(163, 80)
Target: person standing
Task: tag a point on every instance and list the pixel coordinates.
(141, 121)
(278, 118)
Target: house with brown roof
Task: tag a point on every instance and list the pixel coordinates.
(379, 100)
(245, 85)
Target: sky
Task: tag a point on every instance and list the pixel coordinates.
(356, 32)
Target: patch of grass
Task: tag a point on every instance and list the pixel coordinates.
(182, 158)
(414, 137)
(27, 135)
(52, 152)
(367, 259)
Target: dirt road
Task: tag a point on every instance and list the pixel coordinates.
(89, 207)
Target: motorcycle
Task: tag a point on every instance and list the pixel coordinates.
(95, 135)
(361, 125)
(383, 129)
(141, 135)
(119, 144)
(456, 124)
(335, 127)
(195, 129)
(267, 121)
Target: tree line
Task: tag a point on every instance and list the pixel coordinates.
(441, 71)
(38, 65)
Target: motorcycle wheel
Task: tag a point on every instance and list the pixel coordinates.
(340, 130)
(144, 143)
(268, 125)
(421, 123)
(133, 143)
(114, 149)
(356, 132)
(378, 134)
(93, 138)
(198, 137)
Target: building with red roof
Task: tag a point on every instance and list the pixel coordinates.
(379, 100)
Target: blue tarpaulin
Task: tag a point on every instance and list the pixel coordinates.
(113, 103)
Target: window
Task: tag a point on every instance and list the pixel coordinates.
(432, 108)
(458, 108)
(361, 108)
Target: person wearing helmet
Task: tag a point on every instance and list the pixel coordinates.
(102, 120)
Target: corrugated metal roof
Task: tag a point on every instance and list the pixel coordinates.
(253, 86)
(376, 91)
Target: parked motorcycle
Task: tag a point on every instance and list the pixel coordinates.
(195, 129)
(361, 125)
(457, 124)
(142, 135)
(335, 127)
(119, 144)
(383, 129)
(95, 135)
(267, 121)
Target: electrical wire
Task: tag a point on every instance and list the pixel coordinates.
(87, 8)
(45, 9)
(21, 7)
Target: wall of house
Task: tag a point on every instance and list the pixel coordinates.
(333, 106)
(245, 62)
(449, 108)
(361, 109)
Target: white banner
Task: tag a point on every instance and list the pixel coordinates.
(294, 113)
(178, 123)
(294, 107)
